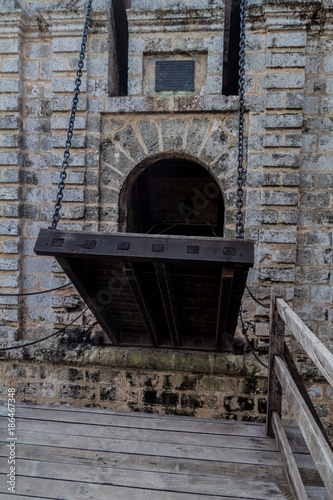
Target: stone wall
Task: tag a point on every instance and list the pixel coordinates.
(163, 382)
(288, 196)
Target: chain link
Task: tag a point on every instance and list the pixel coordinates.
(241, 84)
(63, 174)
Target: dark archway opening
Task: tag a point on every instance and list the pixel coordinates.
(175, 196)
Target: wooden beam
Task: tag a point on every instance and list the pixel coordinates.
(314, 348)
(319, 449)
(165, 286)
(302, 389)
(142, 246)
(99, 311)
(292, 471)
(134, 282)
(227, 276)
(276, 347)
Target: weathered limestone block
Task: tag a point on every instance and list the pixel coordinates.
(150, 135)
(196, 133)
(130, 143)
(115, 157)
(216, 143)
(173, 132)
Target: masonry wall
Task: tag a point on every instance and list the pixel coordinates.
(288, 196)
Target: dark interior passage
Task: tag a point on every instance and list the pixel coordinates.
(176, 197)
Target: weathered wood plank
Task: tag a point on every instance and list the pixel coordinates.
(155, 463)
(104, 458)
(111, 328)
(165, 286)
(276, 347)
(63, 490)
(227, 276)
(158, 481)
(243, 455)
(92, 445)
(140, 245)
(148, 436)
(319, 449)
(275, 473)
(314, 348)
(292, 471)
(139, 297)
(128, 419)
(105, 418)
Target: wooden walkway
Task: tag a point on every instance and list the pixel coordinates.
(80, 454)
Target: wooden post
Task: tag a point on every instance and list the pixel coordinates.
(276, 347)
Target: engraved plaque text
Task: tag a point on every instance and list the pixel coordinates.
(174, 75)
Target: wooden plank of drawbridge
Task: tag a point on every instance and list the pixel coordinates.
(167, 464)
(27, 487)
(63, 490)
(163, 428)
(96, 451)
(215, 453)
(158, 481)
(87, 448)
(103, 417)
(137, 420)
(127, 419)
(147, 435)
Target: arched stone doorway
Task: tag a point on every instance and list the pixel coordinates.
(173, 195)
(131, 144)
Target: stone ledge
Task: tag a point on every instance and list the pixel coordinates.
(141, 359)
(176, 104)
(199, 19)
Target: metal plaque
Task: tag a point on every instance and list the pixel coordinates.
(174, 75)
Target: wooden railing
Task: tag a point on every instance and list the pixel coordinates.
(285, 378)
